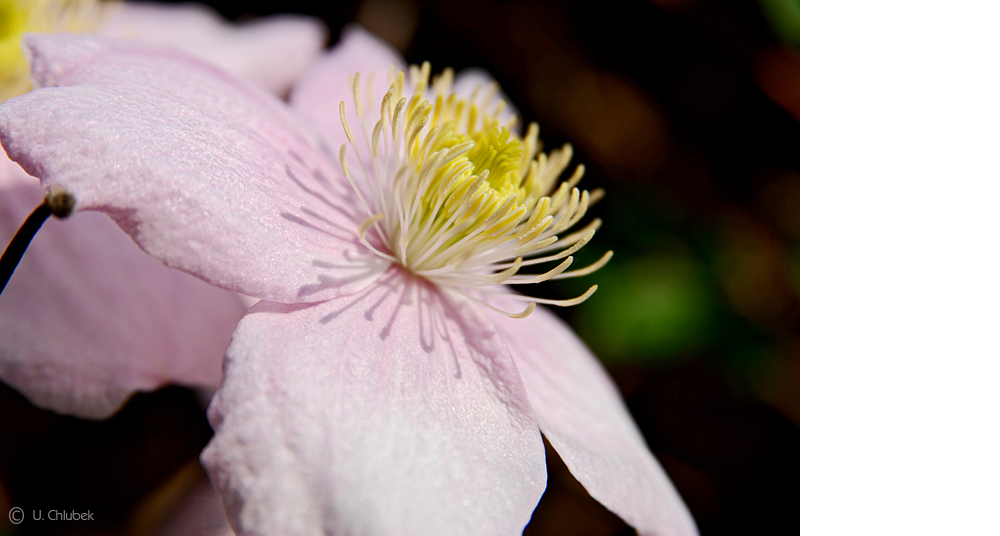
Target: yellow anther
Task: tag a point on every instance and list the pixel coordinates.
(461, 198)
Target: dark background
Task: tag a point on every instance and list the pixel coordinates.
(686, 113)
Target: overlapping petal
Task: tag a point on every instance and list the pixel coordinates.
(317, 96)
(392, 411)
(88, 319)
(582, 415)
(185, 157)
(270, 52)
(368, 401)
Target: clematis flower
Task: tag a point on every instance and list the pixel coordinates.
(389, 382)
(88, 319)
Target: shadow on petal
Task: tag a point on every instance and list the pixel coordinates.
(354, 270)
(372, 413)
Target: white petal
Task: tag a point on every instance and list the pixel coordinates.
(582, 415)
(206, 173)
(390, 412)
(88, 319)
(317, 96)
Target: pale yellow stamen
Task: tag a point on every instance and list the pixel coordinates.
(456, 196)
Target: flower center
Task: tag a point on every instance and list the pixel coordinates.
(457, 196)
(488, 173)
(20, 16)
(499, 155)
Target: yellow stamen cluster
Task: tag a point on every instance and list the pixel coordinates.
(18, 17)
(456, 196)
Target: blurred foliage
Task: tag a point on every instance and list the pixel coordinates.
(783, 15)
(648, 309)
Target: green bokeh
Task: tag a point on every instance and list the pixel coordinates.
(783, 16)
(647, 309)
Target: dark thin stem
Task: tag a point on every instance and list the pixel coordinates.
(15, 250)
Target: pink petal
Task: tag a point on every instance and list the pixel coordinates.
(393, 411)
(582, 415)
(270, 52)
(12, 176)
(318, 94)
(88, 318)
(207, 174)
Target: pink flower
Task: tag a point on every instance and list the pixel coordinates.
(373, 390)
(87, 318)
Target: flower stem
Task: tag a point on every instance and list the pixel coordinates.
(15, 250)
(59, 203)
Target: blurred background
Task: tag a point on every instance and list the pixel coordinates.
(686, 113)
